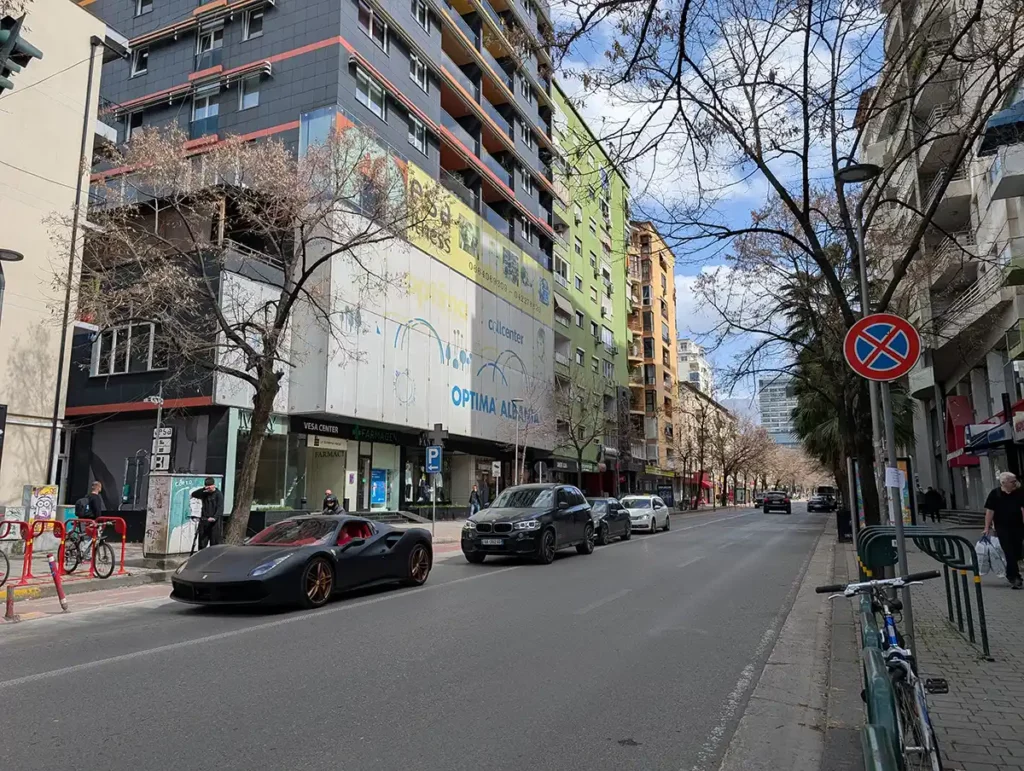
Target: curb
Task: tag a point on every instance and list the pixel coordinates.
(44, 591)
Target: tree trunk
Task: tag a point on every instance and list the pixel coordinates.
(579, 469)
(868, 487)
(245, 480)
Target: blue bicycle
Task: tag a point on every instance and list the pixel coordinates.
(920, 751)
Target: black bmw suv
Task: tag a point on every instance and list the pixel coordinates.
(530, 521)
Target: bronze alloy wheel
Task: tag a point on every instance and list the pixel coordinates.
(419, 565)
(319, 581)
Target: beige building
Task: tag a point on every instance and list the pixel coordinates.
(43, 120)
(700, 424)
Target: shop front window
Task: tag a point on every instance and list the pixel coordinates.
(271, 472)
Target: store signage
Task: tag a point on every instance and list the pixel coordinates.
(657, 472)
(326, 442)
(564, 465)
(330, 428)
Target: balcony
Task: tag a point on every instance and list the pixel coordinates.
(496, 116)
(450, 182)
(982, 296)
(496, 221)
(1006, 176)
(953, 258)
(499, 71)
(464, 80)
(463, 25)
(499, 171)
(561, 364)
(203, 127)
(208, 59)
(460, 133)
(921, 381)
(634, 353)
(561, 280)
(638, 450)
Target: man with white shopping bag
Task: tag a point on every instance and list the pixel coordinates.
(1004, 510)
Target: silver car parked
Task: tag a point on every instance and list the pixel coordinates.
(646, 512)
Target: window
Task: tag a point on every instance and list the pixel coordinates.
(417, 134)
(645, 270)
(664, 284)
(593, 260)
(524, 230)
(649, 401)
(131, 348)
(664, 332)
(580, 356)
(370, 94)
(577, 213)
(418, 72)
(528, 184)
(594, 330)
(524, 87)
(526, 135)
(650, 374)
(205, 110)
(561, 271)
(593, 226)
(605, 179)
(607, 337)
(140, 61)
(606, 210)
(578, 282)
(648, 347)
(648, 321)
(578, 246)
(593, 293)
(249, 93)
(143, 6)
(253, 24)
(595, 363)
(419, 10)
(694, 377)
(608, 369)
(374, 27)
(645, 292)
(132, 123)
(579, 319)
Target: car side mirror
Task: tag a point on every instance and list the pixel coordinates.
(563, 504)
(353, 542)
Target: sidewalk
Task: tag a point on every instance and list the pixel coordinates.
(980, 722)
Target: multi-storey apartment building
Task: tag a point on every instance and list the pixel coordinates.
(652, 356)
(777, 400)
(49, 116)
(965, 294)
(694, 366)
(590, 304)
(458, 93)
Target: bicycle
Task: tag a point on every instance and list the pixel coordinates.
(79, 547)
(916, 736)
(5, 567)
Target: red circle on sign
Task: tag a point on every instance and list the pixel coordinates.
(882, 347)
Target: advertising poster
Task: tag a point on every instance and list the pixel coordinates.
(378, 488)
(908, 504)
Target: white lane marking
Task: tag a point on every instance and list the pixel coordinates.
(727, 544)
(746, 678)
(610, 598)
(237, 632)
(690, 561)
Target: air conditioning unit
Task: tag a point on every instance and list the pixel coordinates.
(604, 312)
(615, 350)
(597, 273)
(578, 216)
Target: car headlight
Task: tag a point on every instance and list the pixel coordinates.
(529, 524)
(266, 567)
(641, 515)
(469, 525)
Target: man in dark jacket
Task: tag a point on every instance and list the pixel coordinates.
(331, 503)
(474, 501)
(933, 504)
(211, 520)
(1004, 512)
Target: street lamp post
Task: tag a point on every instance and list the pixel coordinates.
(515, 472)
(852, 174)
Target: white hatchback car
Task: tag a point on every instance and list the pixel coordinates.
(646, 512)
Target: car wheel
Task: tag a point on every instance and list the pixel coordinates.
(789, 511)
(602, 535)
(317, 583)
(546, 550)
(473, 558)
(668, 522)
(587, 547)
(629, 532)
(419, 566)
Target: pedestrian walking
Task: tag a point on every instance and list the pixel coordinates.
(933, 504)
(474, 501)
(211, 520)
(1004, 511)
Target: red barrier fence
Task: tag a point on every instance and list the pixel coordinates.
(121, 528)
(33, 529)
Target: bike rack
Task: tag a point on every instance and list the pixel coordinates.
(877, 749)
(35, 528)
(880, 698)
(121, 528)
(957, 556)
(23, 530)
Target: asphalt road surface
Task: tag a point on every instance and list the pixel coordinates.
(640, 656)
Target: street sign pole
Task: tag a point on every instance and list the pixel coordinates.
(892, 479)
(433, 507)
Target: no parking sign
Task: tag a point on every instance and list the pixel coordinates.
(882, 347)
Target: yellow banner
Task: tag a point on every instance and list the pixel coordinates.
(458, 237)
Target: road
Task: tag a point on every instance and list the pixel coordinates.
(640, 656)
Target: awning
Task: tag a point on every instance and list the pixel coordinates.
(983, 437)
(1006, 127)
(959, 416)
(563, 305)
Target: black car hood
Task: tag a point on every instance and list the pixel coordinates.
(234, 560)
(508, 515)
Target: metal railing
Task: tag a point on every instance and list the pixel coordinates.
(937, 182)
(953, 248)
(203, 127)
(967, 307)
(248, 253)
(499, 171)
(208, 59)
(464, 80)
(493, 14)
(561, 280)
(498, 69)
(451, 183)
(464, 25)
(453, 125)
(496, 116)
(496, 220)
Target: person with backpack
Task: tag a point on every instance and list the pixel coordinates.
(89, 507)
(211, 520)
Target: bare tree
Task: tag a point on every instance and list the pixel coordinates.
(775, 96)
(579, 415)
(223, 251)
(735, 445)
(695, 417)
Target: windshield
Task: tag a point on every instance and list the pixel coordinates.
(597, 506)
(525, 498)
(636, 503)
(295, 532)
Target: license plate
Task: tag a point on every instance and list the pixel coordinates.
(491, 541)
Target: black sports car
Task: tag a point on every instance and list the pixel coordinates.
(611, 520)
(530, 521)
(305, 560)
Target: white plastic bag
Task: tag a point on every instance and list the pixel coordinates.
(990, 556)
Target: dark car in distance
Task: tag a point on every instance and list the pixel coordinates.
(777, 500)
(758, 500)
(530, 521)
(821, 503)
(611, 520)
(304, 560)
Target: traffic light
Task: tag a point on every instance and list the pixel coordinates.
(15, 51)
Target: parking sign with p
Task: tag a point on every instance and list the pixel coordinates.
(434, 459)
